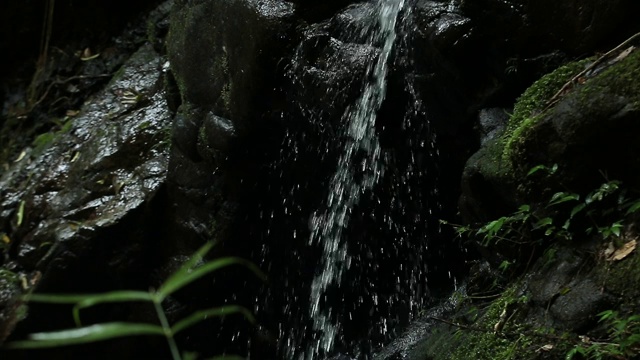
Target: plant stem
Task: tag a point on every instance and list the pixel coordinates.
(175, 353)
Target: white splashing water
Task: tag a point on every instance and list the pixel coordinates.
(359, 168)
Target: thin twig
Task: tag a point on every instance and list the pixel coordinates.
(555, 98)
(60, 82)
(504, 334)
(461, 326)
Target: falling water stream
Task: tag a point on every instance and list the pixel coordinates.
(359, 168)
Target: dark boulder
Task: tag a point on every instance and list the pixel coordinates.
(80, 207)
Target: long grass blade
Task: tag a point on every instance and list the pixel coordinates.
(202, 315)
(58, 299)
(191, 263)
(86, 335)
(109, 297)
(175, 283)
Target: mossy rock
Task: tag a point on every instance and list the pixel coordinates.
(593, 129)
(528, 108)
(498, 333)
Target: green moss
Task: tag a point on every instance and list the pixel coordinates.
(226, 96)
(596, 93)
(66, 127)
(479, 341)
(42, 141)
(620, 79)
(494, 164)
(221, 71)
(528, 107)
(202, 135)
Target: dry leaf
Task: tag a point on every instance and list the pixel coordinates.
(545, 348)
(585, 339)
(72, 113)
(606, 253)
(24, 282)
(624, 251)
(87, 55)
(22, 155)
(624, 54)
(501, 321)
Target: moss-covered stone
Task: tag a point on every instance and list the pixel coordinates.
(498, 333)
(500, 336)
(588, 131)
(591, 129)
(528, 108)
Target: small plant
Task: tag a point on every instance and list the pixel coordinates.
(623, 341)
(602, 210)
(187, 273)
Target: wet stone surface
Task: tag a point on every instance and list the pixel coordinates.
(108, 161)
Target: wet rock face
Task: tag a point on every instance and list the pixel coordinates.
(103, 164)
(83, 197)
(223, 54)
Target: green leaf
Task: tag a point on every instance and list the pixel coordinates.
(549, 231)
(633, 339)
(607, 314)
(202, 315)
(633, 208)
(59, 299)
(543, 223)
(634, 318)
(604, 190)
(577, 209)
(504, 265)
(576, 350)
(461, 230)
(110, 297)
(192, 262)
(535, 169)
(616, 228)
(189, 356)
(183, 278)
(493, 227)
(86, 335)
(561, 197)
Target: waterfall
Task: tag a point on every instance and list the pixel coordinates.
(359, 168)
